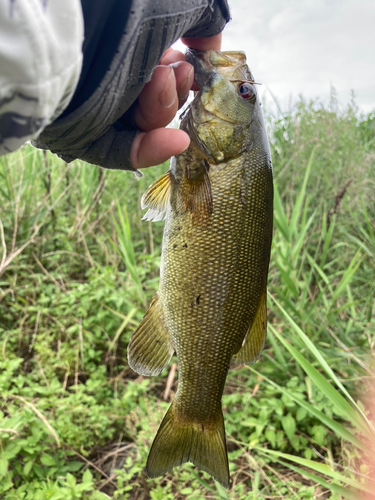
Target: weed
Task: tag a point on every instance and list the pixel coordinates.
(77, 269)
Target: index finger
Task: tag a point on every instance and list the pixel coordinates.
(206, 43)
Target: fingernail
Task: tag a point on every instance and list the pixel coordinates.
(185, 86)
(168, 96)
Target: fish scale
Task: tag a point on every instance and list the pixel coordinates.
(211, 305)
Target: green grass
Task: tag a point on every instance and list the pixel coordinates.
(77, 269)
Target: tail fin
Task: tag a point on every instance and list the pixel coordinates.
(177, 442)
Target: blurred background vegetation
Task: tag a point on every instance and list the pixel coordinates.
(78, 268)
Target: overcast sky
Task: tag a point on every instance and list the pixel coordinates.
(305, 46)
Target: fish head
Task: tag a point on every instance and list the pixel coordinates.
(220, 116)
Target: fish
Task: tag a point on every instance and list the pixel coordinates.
(210, 309)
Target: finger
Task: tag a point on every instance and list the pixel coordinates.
(157, 146)
(207, 43)
(171, 56)
(158, 101)
(184, 74)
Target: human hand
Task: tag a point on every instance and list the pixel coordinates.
(158, 104)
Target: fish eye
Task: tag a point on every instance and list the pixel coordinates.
(246, 91)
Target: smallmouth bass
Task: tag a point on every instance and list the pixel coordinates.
(210, 309)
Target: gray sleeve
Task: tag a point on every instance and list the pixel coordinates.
(212, 22)
(111, 150)
(40, 65)
(100, 131)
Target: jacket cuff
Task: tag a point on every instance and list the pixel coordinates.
(111, 150)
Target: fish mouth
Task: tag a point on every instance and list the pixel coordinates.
(205, 74)
(202, 65)
(229, 63)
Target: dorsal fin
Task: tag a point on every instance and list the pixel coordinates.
(156, 198)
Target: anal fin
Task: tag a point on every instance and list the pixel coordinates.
(256, 337)
(150, 348)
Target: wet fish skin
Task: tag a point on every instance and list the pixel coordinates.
(211, 305)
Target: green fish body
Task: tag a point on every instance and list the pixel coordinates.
(211, 305)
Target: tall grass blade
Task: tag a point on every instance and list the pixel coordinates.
(321, 273)
(327, 238)
(336, 427)
(342, 407)
(297, 209)
(125, 249)
(335, 488)
(360, 418)
(280, 219)
(279, 355)
(320, 468)
(347, 276)
(301, 238)
(121, 328)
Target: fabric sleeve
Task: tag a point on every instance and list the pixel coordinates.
(100, 130)
(212, 22)
(40, 61)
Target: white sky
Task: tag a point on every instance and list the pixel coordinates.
(304, 46)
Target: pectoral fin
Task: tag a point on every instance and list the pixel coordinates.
(196, 193)
(256, 337)
(156, 198)
(150, 348)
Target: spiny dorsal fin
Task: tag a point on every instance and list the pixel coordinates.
(156, 198)
(150, 348)
(256, 337)
(196, 194)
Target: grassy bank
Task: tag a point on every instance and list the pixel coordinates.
(77, 270)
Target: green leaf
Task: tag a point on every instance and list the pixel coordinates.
(301, 414)
(319, 432)
(59, 495)
(337, 428)
(47, 460)
(359, 418)
(27, 467)
(74, 466)
(71, 481)
(289, 425)
(271, 436)
(3, 466)
(256, 482)
(87, 477)
(223, 494)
